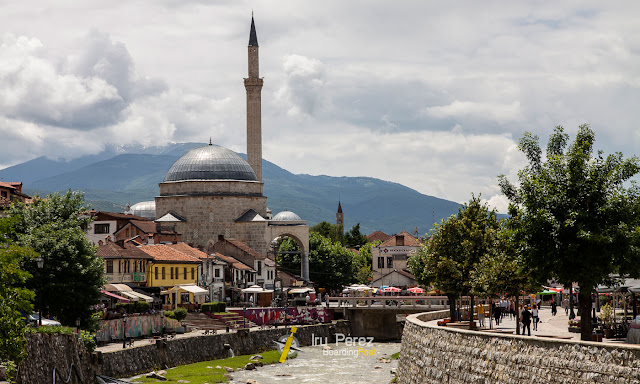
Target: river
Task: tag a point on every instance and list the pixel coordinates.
(341, 364)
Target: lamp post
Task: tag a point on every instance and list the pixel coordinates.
(124, 330)
(40, 262)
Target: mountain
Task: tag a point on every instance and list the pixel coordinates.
(130, 174)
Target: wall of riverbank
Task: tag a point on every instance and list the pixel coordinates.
(432, 354)
(170, 353)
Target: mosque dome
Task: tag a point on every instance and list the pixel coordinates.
(210, 162)
(286, 216)
(144, 209)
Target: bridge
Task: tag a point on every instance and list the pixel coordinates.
(377, 316)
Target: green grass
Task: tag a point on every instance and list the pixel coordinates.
(198, 373)
(395, 356)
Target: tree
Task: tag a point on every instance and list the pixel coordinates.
(456, 247)
(330, 231)
(15, 300)
(503, 271)
(354, 238)
(330, 264)
(579, 223)
(362, 261)
(72, 276)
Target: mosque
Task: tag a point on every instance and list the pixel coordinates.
(211, 193)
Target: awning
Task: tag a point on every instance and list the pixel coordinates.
(124, 300)
(190, 288)
(117, 288)
(142, 296)
(130, 295)
(301, 290)
(256, 289)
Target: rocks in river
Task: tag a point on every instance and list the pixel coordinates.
(228, 376)
(392, 371)
(251, 381)
(250, 367)
(228, 369)
(377, 367)
(155, 375)
(256, 357)
(219, 367)
(384, 360)
(283, 375)
(162, 372)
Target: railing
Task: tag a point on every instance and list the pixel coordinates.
(431, 302)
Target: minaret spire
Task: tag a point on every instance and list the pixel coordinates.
(253, 86)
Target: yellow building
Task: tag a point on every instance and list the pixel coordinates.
(175, 272)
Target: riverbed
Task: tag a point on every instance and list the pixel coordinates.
(342, 364)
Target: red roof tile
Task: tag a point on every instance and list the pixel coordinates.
(245, 248)
(235, 263)
(164, 253)
(409, 240)
(185, 248)
(111, 250)
(379, 236)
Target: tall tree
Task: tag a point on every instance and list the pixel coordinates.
(70, 281)
(579, 221)
(354, 238)
(330, 231)
(362, 263)
(15, 300)
(456, 247)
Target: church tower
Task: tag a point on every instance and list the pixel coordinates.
(339, 215)
(253, 86)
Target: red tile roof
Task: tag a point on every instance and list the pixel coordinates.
(185, 248)
(379, 236)
(409, 240)
(111, 250)
(245, 248)
(8, 185)
(235, 263)
(104, 216)
(164, 253)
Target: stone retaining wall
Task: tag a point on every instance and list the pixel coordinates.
(132, 361)
(432, 354)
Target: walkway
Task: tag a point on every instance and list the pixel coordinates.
(548, 326)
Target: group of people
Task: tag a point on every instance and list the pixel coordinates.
(529, 314)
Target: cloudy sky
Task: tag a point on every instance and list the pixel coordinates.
(433, 95)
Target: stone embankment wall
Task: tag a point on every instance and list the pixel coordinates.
(432, 354)
(46, 353)
(170, 353)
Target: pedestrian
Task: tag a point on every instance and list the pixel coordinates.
(526, 321)
(566, 307)
(554, 307)
(496, 313)
(481, 314)
(512, 309)
(536, 317)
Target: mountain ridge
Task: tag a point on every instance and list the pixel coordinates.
(130, 174)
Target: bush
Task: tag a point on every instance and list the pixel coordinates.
(180, 313)
(11, 368)
(214, 307)
(141, 306)
(89, 340)
(170, 314)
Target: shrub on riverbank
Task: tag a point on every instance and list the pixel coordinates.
(206, 371)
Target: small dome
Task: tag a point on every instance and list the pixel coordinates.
(286, 216)
(210, 162)
(144, 209)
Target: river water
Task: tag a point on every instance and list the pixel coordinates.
(342, 364)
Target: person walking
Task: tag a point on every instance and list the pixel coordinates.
(496, 313)
(566, 307)
(481, 314)
(536, 317)
(554, 307)
(526, 321)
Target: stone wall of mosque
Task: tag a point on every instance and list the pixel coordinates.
(209, 216)
(228, 187)
(432, 354)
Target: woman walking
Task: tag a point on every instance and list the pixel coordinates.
(534, 314)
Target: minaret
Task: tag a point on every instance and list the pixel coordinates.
(253, 86)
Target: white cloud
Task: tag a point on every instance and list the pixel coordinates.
(501, 113)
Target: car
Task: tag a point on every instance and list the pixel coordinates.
(34, 319)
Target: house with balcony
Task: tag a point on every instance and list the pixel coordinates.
(124, 263)
(264, 268)
(147, 232)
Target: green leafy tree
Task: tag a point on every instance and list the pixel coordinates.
(354, 238)
(456, 247)
(330, 231)
(330, 264)
(72, 276)
(503, 271)
(15, 299)
(579, 223)
(362, 263)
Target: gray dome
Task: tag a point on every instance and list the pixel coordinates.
(210, 162)
(145, 209)
(286, 216)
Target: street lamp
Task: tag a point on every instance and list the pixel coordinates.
(124, 330)
(40, 262)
